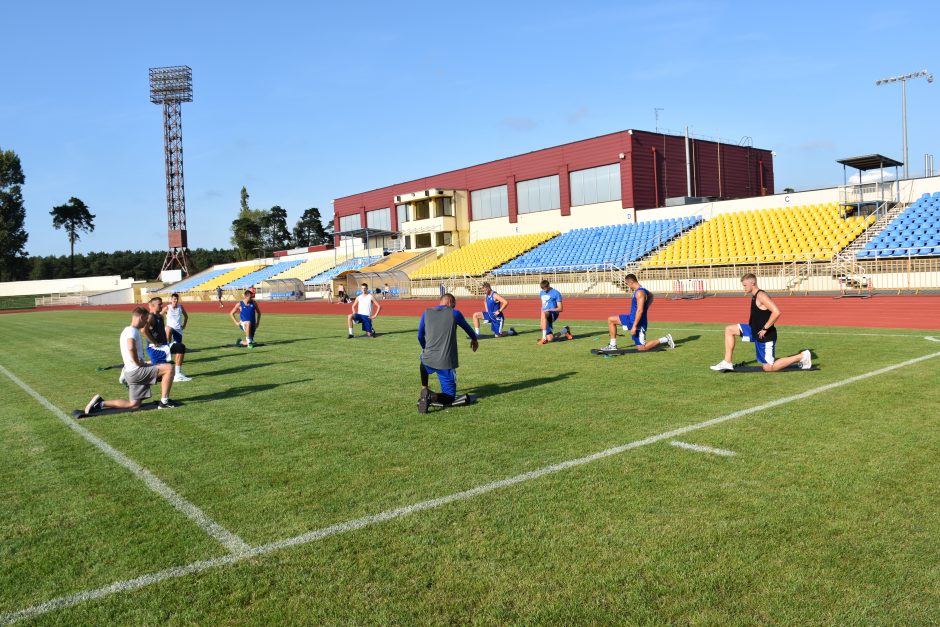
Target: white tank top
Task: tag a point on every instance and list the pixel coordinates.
(365, 305)
(174, 317)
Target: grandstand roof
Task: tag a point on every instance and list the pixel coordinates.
(870, 162)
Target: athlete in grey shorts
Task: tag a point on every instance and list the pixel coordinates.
(138, 375)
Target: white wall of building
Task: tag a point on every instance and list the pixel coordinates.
(65, 286)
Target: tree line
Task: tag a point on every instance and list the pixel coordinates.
(255, 233)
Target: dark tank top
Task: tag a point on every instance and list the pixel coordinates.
(758, 320)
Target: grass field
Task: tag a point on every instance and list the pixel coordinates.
(827, 512)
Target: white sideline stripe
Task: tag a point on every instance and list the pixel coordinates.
(358, 523)
(703, 449)
(222, 535)
(931, 338)
(660, 326)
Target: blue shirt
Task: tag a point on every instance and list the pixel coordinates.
(550, 299)
(646, 309)
(492, 305)
(247, 311)
(458, 318)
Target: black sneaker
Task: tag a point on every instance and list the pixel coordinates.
(424, 400)
(169, 404)
(350, 336)
(94, 405)
(512, 332)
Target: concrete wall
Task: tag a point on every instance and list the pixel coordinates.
(63, 286)
(599, 214)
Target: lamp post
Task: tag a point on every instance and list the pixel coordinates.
(903, 80)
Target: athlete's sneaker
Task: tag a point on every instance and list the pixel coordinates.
(181, 377)
(251, 345)
(239, 341)
(806, 360)
(722, 366)
(669, 341)
(94, 405)
(512, 332)
(350, 336)
(169, 404)
(610, 348)
(424, 400)
(568, 335)
(543, 341)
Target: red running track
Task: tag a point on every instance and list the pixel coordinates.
(885, 312)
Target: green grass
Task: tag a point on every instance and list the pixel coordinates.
(18, 302)
(827, 514)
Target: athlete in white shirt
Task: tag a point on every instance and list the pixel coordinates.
(138, 374)
(176, 319)
(365, 309)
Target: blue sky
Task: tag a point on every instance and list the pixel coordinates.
(303, 102)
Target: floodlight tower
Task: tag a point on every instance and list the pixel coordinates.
(903, 80)
(172, 86)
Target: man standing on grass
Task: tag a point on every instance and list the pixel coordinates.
(635, 322)
(437, 335)
(160, 348)
(176, 319)
(365, 309)
(493, 307)
(139, 376)
(551, 310)
(218, 296)
(249, 318)
(761, 331)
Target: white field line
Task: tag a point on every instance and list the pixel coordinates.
(358, 523)
(575, 324)
(698, 448)
(223, 536)
(931, 338)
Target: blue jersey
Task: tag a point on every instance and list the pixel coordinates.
(491, 304)
(247, 311)
(550, 299)
(646, 309)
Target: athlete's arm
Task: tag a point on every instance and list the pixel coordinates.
(257, 316)
(421, 331)
(185, 315)
(378, 307)
(560, 307)
(149, 335)
(235, 310)
(132, 347)
(769, 304)
(503, 303)
(462, 323)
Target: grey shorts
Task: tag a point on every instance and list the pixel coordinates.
(140, 380)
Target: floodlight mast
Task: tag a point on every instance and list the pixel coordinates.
(170, 87)
(903, 80)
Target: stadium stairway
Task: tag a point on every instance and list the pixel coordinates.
(805, 232)
(915, 232)
(602, 246)
(351, 264)
(481, 256)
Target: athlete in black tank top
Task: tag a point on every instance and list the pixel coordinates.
(758, 320)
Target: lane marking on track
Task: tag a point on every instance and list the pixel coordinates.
(365, 521)
(223, 536)
(698, 448)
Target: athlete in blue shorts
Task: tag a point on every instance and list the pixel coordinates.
(365, 309)
(761, 331)
(551, 310)
(249, 318)
(635, 322)
(160, 349)
(493, 307)
(437, 334)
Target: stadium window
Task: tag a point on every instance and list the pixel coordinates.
(379, 219)
(422, 210)
(601, 184)
(350, 223)
(404, 213)
(423, 240)
(491, 202)
(538, 194)
(447, 206)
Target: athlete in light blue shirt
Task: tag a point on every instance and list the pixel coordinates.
(493, 307)
(635, 322)
(551, 309)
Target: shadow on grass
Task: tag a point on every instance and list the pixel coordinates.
(495, 389)
(240, 390)
(243, 368)
(686, 340)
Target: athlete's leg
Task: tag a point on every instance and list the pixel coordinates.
(448, 380)
(731, 331)
(612, 323)
(783, 362)
(349, 323)
(477, 317)
(366, 324)
(120, 404)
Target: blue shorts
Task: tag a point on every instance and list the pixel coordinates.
(248, 327)
(626, 320)
(157, 356)
(765, 350)
(550, 317)
(365, 321)
(176, 336)
(496, 321)
(447, 378)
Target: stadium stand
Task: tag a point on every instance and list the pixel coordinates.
(390, 261)
(266, 272)
(228, 277)
(915, 233)
(765, 236)
(190, 283)
(481, 256)
(351, 264)
(309, 268)
(585, 249)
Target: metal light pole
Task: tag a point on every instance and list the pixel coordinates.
(903, 80)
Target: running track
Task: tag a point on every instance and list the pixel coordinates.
(886, 312)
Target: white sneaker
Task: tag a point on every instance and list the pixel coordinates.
(181, 377)
(806, 361)
(669, 341)
(722, 366)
